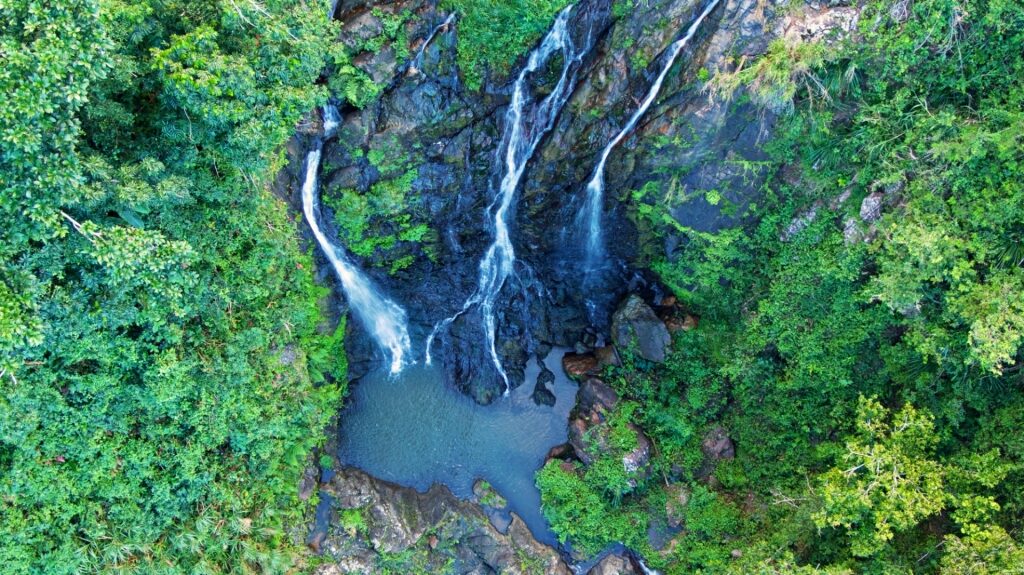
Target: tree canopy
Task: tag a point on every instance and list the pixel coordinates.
(162, 376)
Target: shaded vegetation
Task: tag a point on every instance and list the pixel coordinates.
(869, 371)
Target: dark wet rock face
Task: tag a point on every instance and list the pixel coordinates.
(436, 141)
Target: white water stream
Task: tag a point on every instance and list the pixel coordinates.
(443, 26)
(522, 133)
(383, 318)
(589, 219)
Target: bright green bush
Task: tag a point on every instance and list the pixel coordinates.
(493, 34)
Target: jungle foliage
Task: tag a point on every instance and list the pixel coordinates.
(494, 33)
(162, 376)
(870, 372)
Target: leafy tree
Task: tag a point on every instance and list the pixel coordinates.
(887, 482)
(159, 324)
(989, 551)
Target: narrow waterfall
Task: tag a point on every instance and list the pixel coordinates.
(382, 317)
(589, 218)
(417, 61)
(523, 130)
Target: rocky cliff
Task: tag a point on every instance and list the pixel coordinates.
(410, 177)
(421, 161)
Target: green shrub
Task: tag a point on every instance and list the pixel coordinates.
(493, 34)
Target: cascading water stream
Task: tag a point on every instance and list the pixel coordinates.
(522, 133)
(382, 317)
(418, 60)
(589, 219)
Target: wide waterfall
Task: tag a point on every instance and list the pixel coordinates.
(523, 130)
(589, 219)
(382, 317)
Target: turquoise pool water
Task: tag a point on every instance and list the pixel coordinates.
(415, 430)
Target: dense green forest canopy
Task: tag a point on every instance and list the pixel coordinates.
(871, 374)
(163, 377)
(158, 344)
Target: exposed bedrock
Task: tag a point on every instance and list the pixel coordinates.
(368, 524)
(431, 144)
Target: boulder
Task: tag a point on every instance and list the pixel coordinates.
(562, 451)
(676, 324)
(595, 395)
(579, 366)
(607, 356)
(308, 483)
(594, 399)
(851, 231)
(717, 445)
(799, 223)
(585, 445)
(871, 207)
(635, 462)
(675, 505)
(615, 564)
(635, 325)
(590, 436)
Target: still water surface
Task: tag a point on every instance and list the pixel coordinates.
(414, 430)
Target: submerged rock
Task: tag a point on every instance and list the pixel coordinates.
(636, 326)
(542, 394)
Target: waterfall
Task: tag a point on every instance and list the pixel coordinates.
(416, 62)
(331, 120)
(382, 317)
(522, 133)
(589, 219)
